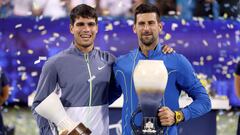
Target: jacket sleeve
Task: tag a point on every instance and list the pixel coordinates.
(187, 81)
(5, 81)
(46, 85)
(238, 69)
(115, 90)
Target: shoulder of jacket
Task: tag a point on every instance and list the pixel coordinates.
(127, 56)
(105, 55)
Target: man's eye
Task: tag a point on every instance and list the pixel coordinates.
(141, 23)
(91, 24)
(152, 22)
(80, 24)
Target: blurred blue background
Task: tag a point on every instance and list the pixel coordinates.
(212, 46)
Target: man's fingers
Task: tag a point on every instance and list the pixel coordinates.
(64, 132)
(166, 116)
(163, 108)
(167, 49)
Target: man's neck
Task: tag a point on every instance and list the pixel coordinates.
(145, 49)
(85, 49)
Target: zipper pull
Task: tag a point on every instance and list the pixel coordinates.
(86, 57)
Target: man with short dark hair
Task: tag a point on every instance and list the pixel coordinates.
(83, 75)
(181, 76)
(4, 93)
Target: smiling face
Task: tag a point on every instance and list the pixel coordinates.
(147, 28)
(84, 31)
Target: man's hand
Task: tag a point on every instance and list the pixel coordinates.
(166, 116)
(64, 132)
(167, 49)
(81, 129)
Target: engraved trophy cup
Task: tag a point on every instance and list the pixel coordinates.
(150, 80)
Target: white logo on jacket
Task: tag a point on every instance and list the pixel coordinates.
(100, 68)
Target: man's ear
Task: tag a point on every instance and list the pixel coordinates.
(71, 28)
(160, 26)
(97, 29)
(134, 28)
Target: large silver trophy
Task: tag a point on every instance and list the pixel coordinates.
(150, 80)
(52, 109)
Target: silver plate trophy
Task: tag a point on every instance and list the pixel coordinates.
(150, 80)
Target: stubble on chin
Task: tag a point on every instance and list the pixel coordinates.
(147, 42)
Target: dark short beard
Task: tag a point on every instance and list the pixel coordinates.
(149, 42)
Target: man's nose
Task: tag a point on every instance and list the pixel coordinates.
(86, 28)
(146, 27)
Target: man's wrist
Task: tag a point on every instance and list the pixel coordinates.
(178, 116)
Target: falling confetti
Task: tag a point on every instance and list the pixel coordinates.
(30, 51)
(130, 22)
(109, 27)
(219, 36)
(40, 58)
(205, 43)
(209, 58)
(55, 34)
(112, 48)
(167, 36)
(174, 26)
(33, 74)
(18, 26)
(43, 32)
(116, 23)
(41, 27)
(106, 37)
(21, 68)
(24, 76)
(18, 53)
(18, 62)
(11, 36)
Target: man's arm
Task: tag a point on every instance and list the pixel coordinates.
(187, 80)
(46, 85)
(114, 90)
(5, 89)
(237, 84)
(4, 95)
(237, 80)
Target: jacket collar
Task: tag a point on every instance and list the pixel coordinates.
(79, 52)
(151, 53)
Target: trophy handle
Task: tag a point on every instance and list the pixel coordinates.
(136, 129)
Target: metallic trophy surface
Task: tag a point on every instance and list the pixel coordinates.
(150, 80)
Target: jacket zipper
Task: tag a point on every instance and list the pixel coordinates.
(86, 57)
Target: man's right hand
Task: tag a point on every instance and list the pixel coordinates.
(81, 129)
(64, 132)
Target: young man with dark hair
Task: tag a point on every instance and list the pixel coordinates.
(181, 76)
(83, 75)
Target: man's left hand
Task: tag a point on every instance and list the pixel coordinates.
(64, 132)
(167, 49)
(166, 116)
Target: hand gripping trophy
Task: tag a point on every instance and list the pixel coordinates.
(52, 109)
(150, 80)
